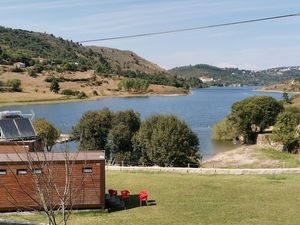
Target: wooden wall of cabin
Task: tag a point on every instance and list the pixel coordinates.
(18, 191)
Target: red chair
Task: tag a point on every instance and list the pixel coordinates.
(113, 192)
(125, 194)
(143, 196)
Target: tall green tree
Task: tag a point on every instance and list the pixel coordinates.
(286, 130)
(165, 140)
(92, 129)
(47, 132)
(124, 125)
(254, 114)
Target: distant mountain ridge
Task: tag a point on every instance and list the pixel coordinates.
(229, 76)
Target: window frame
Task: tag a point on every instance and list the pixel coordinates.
(34, 171)
(3, 172)
(22, 174)
(87, 170)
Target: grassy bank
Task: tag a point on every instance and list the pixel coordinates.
(194, 199)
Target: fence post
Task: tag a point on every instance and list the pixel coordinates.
(122, 165)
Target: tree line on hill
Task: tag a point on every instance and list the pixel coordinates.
(230, 76)
(250, 117)
(162, 140)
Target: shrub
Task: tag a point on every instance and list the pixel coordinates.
(32, 73)
(54, 86)
(224, 131)
(14, 84)
(286, 130)
(79, 94)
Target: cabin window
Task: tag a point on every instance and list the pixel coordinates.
(22, 171)
(37, 171)
(3, 172)
(88, 170)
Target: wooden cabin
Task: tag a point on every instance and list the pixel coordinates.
(18, 190)
(24, 167)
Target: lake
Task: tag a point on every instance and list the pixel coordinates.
(201, 109)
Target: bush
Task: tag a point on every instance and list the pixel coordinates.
(14, 84)
(224, 131)
(49, 79)
(82, 94)
(95, 93)
(286, 130)
(54, 86)
(79, 94)
(38, 68)
(32, 73)
(133, 85)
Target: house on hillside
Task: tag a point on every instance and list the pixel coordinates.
(22, 160)
(206, 79)
(19, 65)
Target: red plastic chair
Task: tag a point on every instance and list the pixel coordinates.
(125, 194)
(143, 196)
(113, 192)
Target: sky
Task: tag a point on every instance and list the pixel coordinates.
(249, 46)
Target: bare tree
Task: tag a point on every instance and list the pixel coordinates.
(50, 187)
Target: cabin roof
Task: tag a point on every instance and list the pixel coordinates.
(52, 156)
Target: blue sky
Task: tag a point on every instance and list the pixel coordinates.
(251, 46)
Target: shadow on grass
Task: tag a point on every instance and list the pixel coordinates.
(132, 202)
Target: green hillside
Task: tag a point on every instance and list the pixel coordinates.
(55, 53)
(229, 76)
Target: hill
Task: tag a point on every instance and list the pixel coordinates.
(127, 60)
(229, 76)
(21, 45)
(286, 86)
(36, 59)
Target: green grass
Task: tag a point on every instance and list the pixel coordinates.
(285, 159)
(198, 199)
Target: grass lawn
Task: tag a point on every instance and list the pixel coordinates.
(199, 199)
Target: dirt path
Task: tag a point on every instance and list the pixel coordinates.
(243, 157)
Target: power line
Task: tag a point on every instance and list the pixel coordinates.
(191, 28)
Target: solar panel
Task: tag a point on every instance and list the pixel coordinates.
(9, 129)
(25, 127)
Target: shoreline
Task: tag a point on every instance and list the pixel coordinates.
(94, 98)
(277, 91)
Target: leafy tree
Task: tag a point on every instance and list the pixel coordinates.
(54, 86)
(92, 129)
(47, 132)
(254, 114)
(124, 125)
(14, 84)
(286, 130)
(286, 98)
(165, 140)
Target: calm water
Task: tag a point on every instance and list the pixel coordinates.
(200, 110)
